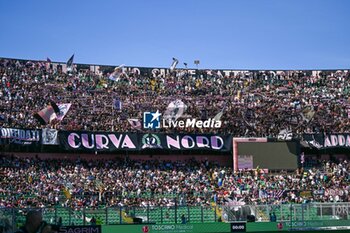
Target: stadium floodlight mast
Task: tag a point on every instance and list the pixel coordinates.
(196, 62)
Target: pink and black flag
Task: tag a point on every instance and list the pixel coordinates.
(47, 114)
(52, 112)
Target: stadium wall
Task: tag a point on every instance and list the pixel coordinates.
(265, 227)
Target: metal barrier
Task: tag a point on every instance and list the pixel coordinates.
(284, 213)
(288, 212)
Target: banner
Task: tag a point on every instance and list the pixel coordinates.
(186, 142)
(19, 136)
(163, 72)
(285, 135)
(98, 141)
(324, 141)
(81, 229)
(49, 137)
(105, 141)
(169, 228)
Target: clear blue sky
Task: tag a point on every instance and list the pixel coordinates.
(232, 34)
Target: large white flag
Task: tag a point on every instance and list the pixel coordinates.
(175, 110)
(118, 71)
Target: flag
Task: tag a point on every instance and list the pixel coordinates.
(277, 193)
(2, 117)
(135, 123)
(218, 116)
(117, 104)
(174, 64)
(48, 60)
(66, 193)
(118, 71)
(114, 77)
(45, 115)
(55, 107)
(175, 110)
(285, 134)
(70, 61)
(63, 109)
(308, 113)
(30, 179)
(52, 112)
(302, 158)
(204, 114)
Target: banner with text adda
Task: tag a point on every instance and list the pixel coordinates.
(324, 141)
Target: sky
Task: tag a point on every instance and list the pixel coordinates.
(221, 34)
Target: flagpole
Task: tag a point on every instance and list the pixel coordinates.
(113, 114)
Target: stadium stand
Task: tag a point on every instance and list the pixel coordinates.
(92, 184)
(116, 191)
(256, 103)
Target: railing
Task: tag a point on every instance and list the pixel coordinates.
(116, 215)
(288, 214)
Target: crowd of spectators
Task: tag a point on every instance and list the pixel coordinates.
(257, 103)
(33, 182)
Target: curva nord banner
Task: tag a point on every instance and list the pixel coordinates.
(185, 142)
(324, 141)
(97, 141)
(105, 141)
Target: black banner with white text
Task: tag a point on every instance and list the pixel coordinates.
(19, 136)
(105, 141)
(325, 141)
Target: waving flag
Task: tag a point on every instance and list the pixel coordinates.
(302, 158)
(277, 193)
(308, 113)
(3, 117)
(47, 114)
(63, 109)
(135, 123)
(118, 71)
(66, 193)
(52, 112)
(117, 104)
(218, 116)
(174, 64)
(175, 110)
(70, 61)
